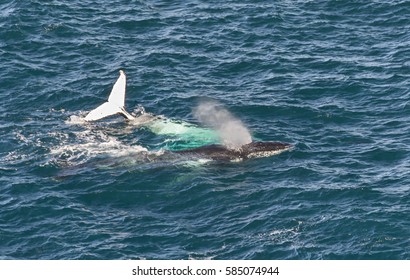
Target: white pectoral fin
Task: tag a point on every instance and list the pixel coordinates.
(104, 110)
(117, 95)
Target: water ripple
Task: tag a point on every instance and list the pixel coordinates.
(330, 77)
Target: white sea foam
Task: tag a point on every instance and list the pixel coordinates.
(75, 120)
(89, 144)
(196, 163)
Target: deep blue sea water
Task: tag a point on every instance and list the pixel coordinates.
(330, 77)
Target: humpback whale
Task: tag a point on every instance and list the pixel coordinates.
(207, 139)
(191, 134)
(252, 150)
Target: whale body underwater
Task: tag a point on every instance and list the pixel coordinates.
(160, 125)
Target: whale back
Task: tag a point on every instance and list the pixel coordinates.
(247, 151)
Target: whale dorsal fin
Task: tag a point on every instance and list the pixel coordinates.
(115, 103)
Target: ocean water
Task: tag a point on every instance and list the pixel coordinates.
(330, 77)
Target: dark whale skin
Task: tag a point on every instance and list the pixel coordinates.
(252, 150)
